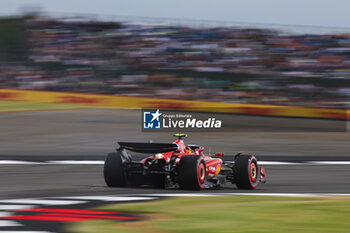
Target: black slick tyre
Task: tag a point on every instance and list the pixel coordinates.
(113, 170)
(192, 173)
(246, 172)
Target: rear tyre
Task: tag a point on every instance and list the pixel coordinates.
(192, 172)
(246, 172)
(114, 171)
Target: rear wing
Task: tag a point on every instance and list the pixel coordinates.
(152, 148)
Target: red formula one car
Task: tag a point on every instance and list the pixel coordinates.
(180, 166)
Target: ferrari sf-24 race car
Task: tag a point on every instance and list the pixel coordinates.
(179, 166)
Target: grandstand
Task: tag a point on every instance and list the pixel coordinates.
(175, 59)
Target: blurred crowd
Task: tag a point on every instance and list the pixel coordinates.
(183, 62)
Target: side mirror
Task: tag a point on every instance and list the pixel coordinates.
(219, 154)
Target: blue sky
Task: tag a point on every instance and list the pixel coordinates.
(295, 12)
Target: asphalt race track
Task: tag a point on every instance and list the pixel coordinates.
(90, 134)
(23, 181)
(95, 133)
(49, 156)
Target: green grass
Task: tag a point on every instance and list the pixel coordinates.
(246, 214)
(14, 106)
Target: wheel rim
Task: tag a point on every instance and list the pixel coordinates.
(201, 173)
(253, 172)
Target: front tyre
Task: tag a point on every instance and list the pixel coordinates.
(246, 172)
(113, 170)
(192, 172)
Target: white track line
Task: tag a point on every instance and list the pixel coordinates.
(329, 162)
(74, 162)
(26, 232)
(278, 163)
(111, 198)
(5, 214)
(42, 201)
(8, 223)
(186, 194)
(16, 207)
(14, 162)
(145, 197)
(247, 194)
